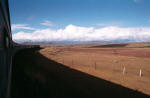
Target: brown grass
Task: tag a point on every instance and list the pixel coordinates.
(107, 63)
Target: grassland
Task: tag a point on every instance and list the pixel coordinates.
(107, 62)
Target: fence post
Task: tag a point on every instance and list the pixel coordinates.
(140, 73)
(124, 70)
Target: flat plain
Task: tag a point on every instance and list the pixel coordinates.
(124, 64)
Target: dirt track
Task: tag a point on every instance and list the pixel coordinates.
(36, 76)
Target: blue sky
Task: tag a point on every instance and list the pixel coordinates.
(28, 16)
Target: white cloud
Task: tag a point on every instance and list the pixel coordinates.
(47, 23)
(21, 26)
(77, 33)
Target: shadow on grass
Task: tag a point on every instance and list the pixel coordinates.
(110, 46)
(35, 76)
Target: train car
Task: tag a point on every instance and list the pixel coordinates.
(6, 48)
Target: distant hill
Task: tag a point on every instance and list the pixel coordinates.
(37, 43)
(93, 44)
(123, 45)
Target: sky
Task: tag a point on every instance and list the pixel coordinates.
(80, 20)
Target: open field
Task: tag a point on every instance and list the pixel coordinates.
(120, 65)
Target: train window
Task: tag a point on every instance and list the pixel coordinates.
(69, 46)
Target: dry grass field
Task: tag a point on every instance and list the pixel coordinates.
(120, 65)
